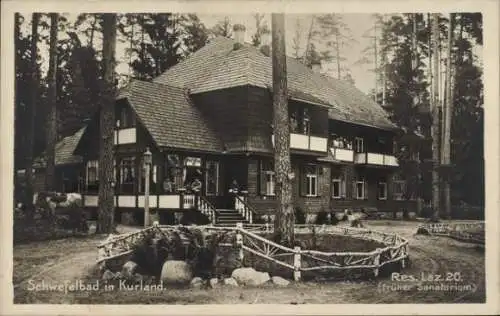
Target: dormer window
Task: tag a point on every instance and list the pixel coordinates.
(125, 118)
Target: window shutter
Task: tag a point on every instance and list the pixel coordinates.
(303, 182)
(354, 191)
(342, 188)
(365, 186)
(262, 179)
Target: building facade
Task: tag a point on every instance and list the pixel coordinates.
(208, 124)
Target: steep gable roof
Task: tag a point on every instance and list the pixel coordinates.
(218, 66)
(64, 151)
(169, 117)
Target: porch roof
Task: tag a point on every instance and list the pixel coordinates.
(170, 118)
(64, 151)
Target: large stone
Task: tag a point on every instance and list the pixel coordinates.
(176, 272)
(108, 275)
(213, 282)
(129, 269)
(279, 281)
(196, 282)
(230, 282)
(248, 276)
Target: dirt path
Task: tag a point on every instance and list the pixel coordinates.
(70, 260)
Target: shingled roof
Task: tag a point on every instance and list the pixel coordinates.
(64, 151)
(169, 117)
(218, 66)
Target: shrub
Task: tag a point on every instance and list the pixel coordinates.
(322, 218)
(300, 217)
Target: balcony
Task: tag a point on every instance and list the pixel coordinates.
(306, 142)
(342, 154)
(125, 136)
(376, 159)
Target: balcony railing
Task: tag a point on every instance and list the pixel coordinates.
(306, 142)
(342, 154)
(125, 136)
(376, 159)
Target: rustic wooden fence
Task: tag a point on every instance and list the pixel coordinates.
(249, 240)
(472, 232)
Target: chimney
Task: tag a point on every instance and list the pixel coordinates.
(316, 66)
(265, 40)
(239, 35)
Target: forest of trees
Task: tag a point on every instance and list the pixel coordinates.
(53, 105)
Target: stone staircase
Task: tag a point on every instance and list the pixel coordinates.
(228, 217)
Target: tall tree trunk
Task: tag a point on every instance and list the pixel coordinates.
(285, 217)
(107, 118)
(51, 128)
(435, 119)
(309, 39)
(30, 128)
(337, 52)
(448, 112)
(376, 62)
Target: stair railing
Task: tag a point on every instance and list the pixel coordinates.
(246, 210)
(207, 209)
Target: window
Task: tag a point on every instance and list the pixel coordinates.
(358, 145)
(267, 179)
(92, 172)
(126, 118)
(399, 189)
(360, 189)
(127, 170)
(172, 174)
(300, 120)
(212, 178)
(338, 187)
(382, 190)
(310, 181)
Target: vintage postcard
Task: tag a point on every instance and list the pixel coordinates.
(250, 157)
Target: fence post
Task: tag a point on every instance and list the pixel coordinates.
(239, 240)
(376, 263)
(403, 261)
(296, 263)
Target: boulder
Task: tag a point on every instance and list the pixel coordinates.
(248, 276)
(230, 282)
(129, 269)
(176, 272)
(213, 282)
(138, 278)
(108, 275)
(280, 281)
(196, 282)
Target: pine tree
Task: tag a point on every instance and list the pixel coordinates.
(335, 35)
(51, 128)
(195, 33)
(260, 28)
(105, 222)
(30, 126)
(284, 223)
(222, 28)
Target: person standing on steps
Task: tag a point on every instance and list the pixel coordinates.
(234, 190)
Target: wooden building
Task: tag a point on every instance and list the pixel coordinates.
(208, 122)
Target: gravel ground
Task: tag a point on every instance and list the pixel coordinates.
(460, 265)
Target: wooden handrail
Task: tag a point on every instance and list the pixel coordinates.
(248, 209)
(212, 209)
